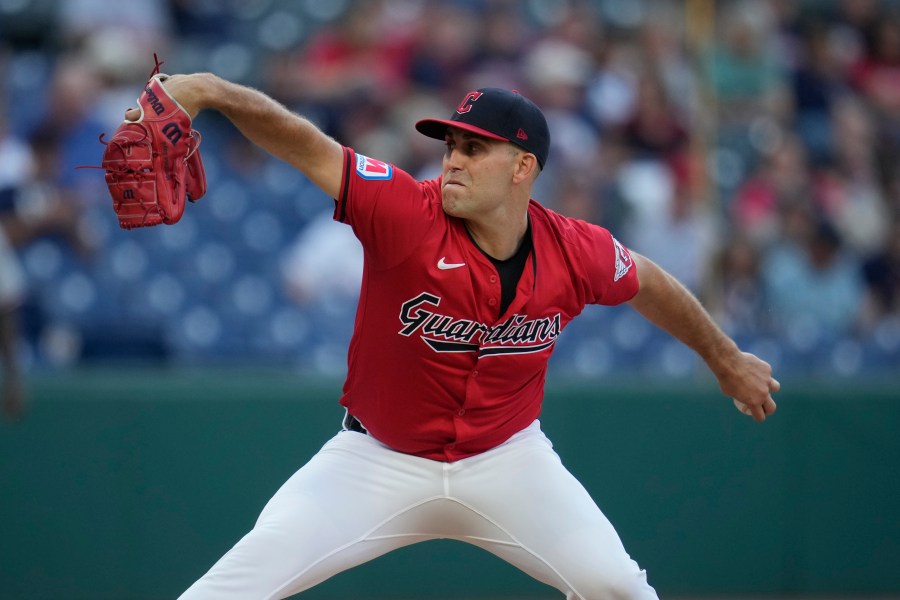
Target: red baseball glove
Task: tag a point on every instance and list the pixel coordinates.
(153, 164)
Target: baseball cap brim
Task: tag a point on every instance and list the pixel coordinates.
(437, 129)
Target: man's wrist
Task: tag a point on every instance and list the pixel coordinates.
(720, 357)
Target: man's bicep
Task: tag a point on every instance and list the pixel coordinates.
(648, 276)
(660, 297)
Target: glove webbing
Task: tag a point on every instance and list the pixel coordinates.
(120, 172)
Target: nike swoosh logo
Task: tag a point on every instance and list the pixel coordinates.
(443, 265)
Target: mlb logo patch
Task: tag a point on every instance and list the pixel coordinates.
(623, 260)
(369, 168)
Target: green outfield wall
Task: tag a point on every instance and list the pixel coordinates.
(130, 484)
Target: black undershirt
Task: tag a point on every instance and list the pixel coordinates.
(510, 270)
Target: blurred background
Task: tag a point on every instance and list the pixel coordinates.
(748, 146)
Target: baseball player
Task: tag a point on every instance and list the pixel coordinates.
(467, 284)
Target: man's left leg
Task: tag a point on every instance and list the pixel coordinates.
(538, 517)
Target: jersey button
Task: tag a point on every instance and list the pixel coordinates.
(492, 302)
(461, 412)
(475, 373)
(493, 279)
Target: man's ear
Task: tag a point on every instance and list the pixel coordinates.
(526, 168)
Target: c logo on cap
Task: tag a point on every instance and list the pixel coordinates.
(466, 105)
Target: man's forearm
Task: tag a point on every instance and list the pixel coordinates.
(266, 123)
(665, 302)
(742, 376)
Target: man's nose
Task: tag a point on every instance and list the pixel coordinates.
(453, 159)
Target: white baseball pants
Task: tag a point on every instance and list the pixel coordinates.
(357, 499)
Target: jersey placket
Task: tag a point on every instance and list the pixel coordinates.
(484, 285)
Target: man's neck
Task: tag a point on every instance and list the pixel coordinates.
(499, 240)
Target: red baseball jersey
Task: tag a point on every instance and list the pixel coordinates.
(434, 369)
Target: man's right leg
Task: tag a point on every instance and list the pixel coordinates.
(325, 519)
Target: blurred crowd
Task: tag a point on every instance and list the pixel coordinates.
(748, 146)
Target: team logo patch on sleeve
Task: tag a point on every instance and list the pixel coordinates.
(369, 168)
(623, 260)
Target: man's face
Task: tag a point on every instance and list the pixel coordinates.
(477, 174)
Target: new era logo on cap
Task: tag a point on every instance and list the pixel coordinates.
(499, 114)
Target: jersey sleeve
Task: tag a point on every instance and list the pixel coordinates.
(387, 208)
(608, 266)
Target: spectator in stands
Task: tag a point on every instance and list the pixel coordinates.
(31, 206)
(143, 24)
(348, 71)
(15, 164)
(654, 128)
(881, 273)
(448, 39)
(735, 290)
(810, 280)
(40, 206)
(322, 268)
(850, 189)
(506, 37)
(556, 72)
(663, 51)
(665, 220)
(12, 293)
(741, 66)
(612, 90)
(17, 231)
(819, 80)
(877, 74)
(782, 179)
(853, 23)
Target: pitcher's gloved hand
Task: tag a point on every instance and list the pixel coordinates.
(153, 162)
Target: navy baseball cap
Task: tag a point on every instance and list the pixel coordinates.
(497, 114)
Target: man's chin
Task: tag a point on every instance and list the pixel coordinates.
(454, 209)
(450, 208)
(450, 204)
